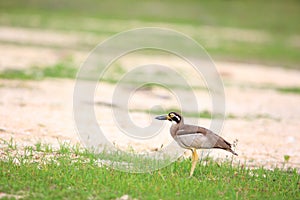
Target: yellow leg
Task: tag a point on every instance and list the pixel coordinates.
(195, 159)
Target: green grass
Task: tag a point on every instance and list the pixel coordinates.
(67, 69)
(40, 172)
(293, 90)
(247, 14)
(277, 20)
(58, 70)
(204, 114)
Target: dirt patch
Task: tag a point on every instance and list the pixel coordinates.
(265, 121)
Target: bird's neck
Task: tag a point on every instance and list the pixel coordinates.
(175, 126)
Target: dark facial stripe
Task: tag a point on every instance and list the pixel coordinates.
(175, 117)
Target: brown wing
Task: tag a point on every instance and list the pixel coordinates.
(200, 137)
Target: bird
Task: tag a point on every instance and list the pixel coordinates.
(194, 137)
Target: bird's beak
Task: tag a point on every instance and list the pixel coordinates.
(162, 117)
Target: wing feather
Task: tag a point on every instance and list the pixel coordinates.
(189, 136)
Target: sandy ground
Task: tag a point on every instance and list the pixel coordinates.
(266, 122)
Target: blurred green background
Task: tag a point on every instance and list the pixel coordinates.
(252, 31)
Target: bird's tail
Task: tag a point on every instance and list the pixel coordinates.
(223, 144)
(231, 151)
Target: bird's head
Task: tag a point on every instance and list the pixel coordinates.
(172, 116)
